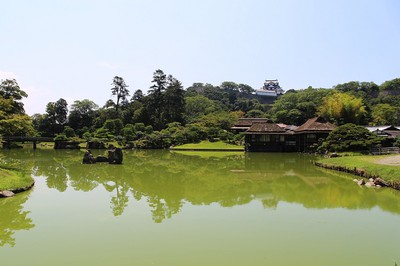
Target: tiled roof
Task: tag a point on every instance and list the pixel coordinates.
(243, 122)
(316, 124)
(382, 128)
(260, 127)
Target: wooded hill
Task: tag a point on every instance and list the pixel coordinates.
(169, 115)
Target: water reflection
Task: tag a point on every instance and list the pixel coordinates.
(167, 180)
(13, 218)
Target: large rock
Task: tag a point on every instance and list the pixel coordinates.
(6, 193)
(115, 156)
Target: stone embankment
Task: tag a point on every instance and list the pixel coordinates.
(372, 180)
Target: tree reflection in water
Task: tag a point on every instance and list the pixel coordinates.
(13, 218)
(167, 180)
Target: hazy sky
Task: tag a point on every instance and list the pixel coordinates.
(72, 49)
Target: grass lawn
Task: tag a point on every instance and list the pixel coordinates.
(209, 154)
(385, 166)
(11, 180)
(206, 145)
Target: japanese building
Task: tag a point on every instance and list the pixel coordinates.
(271, 137)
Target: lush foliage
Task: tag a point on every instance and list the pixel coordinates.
(350, 137)
(295, 107)
(13, 120)
(385, 114)
(342, 108)
(169, 115)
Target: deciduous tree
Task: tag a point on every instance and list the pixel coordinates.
(342, 108)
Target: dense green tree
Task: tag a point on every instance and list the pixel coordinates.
(296, 106)
(391, 85)
(390, 92)
(9, 89)
(128, 132)
(16, 125)
(114, 126)
(255, 114)
(229, 86)
(37, 122)
(155, 100)
(216, 94)
(119, 90)
(350, 137)
(194, 90)
(245, 105)
(69, 132)
(139, 127)
(197, 106)
(368, 91)
(103, 133)
(232, 90)
(221, 119)
(82, 115)
(137, 95)
(342, 108)
(56, 116)
(13, 120)
(174, 102)
(245, 89)
(385, 114)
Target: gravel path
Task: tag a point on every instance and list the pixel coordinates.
(392, 160)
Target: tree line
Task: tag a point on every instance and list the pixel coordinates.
(169, 115)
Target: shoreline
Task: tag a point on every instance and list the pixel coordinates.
(15, 182)
(361, 173)
(204, 149)
(6, 193)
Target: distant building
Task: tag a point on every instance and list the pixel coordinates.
(271, 88)
(388, 133)
(385, 131)
(263, 135)
(244, 124)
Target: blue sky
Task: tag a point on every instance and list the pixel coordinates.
(72, 49)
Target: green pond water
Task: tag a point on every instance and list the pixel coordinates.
(188, 208)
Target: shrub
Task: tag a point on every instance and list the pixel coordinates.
(350, 137)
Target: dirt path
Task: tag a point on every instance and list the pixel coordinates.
(392, 160)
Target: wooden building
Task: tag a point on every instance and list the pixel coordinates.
(271, 137)
(243, 124)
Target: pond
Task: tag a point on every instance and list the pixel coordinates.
(188, 208)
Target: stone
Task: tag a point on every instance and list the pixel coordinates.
(7, 193)
(381, 182)
(88, 158)
(115, 156)
(361, 182)
(369, 184)
(101, 159)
